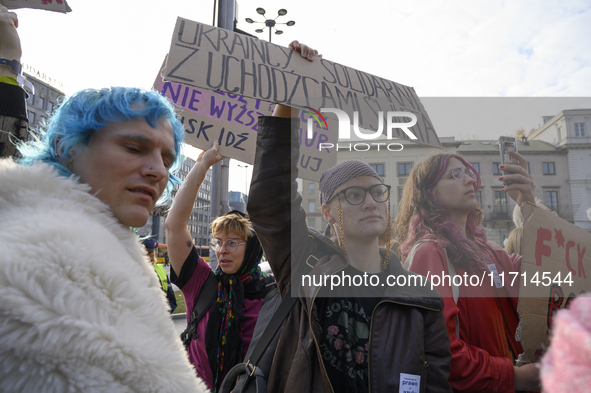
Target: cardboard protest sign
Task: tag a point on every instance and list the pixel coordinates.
(556, 268)
(49, 5)
(208, 57)
(232, 120)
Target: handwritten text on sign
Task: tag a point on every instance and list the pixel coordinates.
(556, 255)
(232, 120)
(216, 59)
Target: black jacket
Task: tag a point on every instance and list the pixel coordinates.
(407, 331)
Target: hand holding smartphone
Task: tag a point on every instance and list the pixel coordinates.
(506, 144)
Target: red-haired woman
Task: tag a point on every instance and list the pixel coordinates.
(439, 222)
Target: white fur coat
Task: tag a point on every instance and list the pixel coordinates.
(81, 310)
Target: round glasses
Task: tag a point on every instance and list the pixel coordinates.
(458, 174)
(356, 195)
(231, 245)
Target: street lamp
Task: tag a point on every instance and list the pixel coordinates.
(246, 176)
(270, 23)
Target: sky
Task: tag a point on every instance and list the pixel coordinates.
(452, 48)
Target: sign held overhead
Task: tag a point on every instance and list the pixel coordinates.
(216, 59)
(232, 120)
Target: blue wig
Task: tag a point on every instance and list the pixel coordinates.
(86, 112)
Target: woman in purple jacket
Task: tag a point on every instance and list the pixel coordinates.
(224, 334)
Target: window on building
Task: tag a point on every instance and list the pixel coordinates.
(311, 207)
(404, 168)
(552, 200)
(379, 168)
(476, 166)
(50, 107)
(31, 99)
(312, 223)
(548, 168)
(479, 198)
(501, 207)
(311, 188)
(580, 129)
(496, 169)
(31, 117)
(41, 102)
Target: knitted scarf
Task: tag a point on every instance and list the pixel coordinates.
(223, 334)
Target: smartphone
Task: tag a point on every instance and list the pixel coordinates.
(510, 143)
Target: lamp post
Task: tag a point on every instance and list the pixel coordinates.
(245, 178)
(270, 23)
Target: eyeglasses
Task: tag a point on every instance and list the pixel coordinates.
(458, 174)
(356, 195)
(231, 245)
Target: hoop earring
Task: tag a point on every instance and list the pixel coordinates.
(389, 234)
(341, 237)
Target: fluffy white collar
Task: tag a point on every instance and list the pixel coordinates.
(81, 308)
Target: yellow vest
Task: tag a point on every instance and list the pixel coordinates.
(162, 276)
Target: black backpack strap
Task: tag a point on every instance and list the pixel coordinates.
(250, 367)
(273, 327)
(284, 308)
(204, 301)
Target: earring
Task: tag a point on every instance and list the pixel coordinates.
(150, 167)
(341, 237)
(389, 234)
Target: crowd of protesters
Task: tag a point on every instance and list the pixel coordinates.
(81, 310)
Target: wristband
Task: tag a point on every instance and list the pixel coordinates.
(14, 65)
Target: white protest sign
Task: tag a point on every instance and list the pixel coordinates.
(49, 5)
(216, 59)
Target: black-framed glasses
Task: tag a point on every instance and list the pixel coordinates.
(356, 195)
(458, 174)
(231, 245)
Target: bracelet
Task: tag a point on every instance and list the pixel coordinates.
(14, 65)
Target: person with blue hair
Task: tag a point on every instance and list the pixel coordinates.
(81, 309)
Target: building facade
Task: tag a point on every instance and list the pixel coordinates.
(571, 131)
(45, 98)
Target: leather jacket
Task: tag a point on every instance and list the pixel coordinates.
(407, 331)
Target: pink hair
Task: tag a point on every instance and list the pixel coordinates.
(423, 217)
